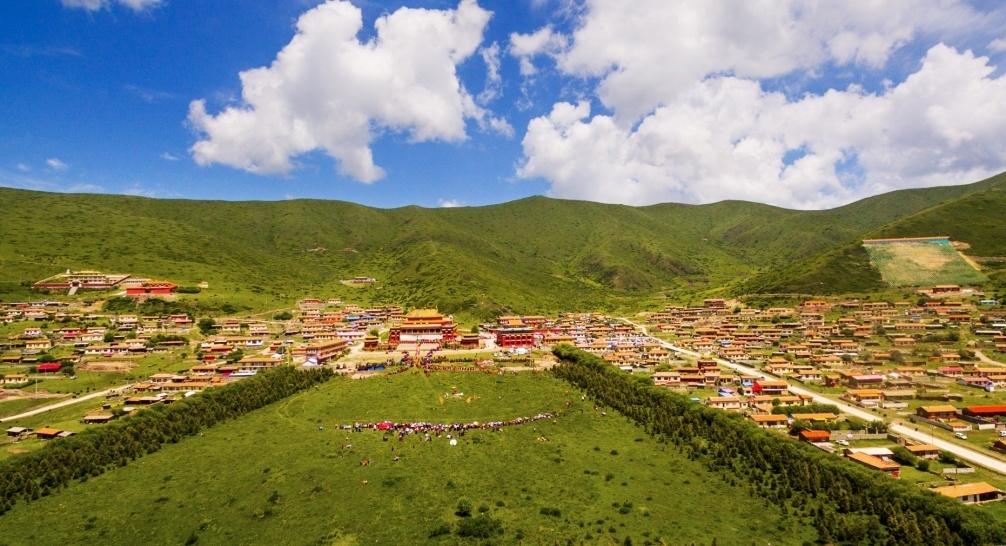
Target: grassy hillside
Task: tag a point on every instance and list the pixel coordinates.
(974, 217)
(287, 474)
(531, 255)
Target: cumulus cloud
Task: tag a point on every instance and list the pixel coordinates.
(95, 5)
(543, 41)
(327, 90)
(449, 203)
(56, 164)
(998, 45)
(168, 156)
(647, 52)
(725, 137)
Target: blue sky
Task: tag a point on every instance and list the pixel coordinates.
(99, 100)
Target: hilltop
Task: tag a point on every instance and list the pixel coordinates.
(532, 255)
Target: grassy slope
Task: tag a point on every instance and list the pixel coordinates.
(975, 217)
(217, 486)
(534, 254)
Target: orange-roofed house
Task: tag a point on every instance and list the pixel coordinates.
(940, 412)
(876, 463)
(971, 493)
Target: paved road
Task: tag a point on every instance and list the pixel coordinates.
(61, 404)
(958, 450)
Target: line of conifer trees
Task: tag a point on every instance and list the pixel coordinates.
(32, 475)
(847, 503)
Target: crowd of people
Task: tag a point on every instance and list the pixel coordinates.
(430, 430)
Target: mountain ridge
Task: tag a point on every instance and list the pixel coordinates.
(536, 254)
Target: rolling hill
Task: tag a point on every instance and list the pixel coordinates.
(531, 255)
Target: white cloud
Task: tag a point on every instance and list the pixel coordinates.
(23, 167)
(148, 95)
(95, 5)
(543, 41)
(56, 164)
(168, 156)
(328, 91)
(647, 52)
(998, 45)
(494, 80)
(449, 203)
(15, 180)
(724, 137)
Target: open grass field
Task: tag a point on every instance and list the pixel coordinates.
(922, 264)
(18, 405)
(285, 475)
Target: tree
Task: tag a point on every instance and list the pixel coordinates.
(109, 337)
(283, 315)
(206, 325)
(903, 456)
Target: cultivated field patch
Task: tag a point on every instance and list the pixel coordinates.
(921, 262)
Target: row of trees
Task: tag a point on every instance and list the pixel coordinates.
(32, 475)
(846, 502)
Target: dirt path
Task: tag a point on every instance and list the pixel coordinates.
(981, 356)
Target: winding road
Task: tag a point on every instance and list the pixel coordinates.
(958, 450)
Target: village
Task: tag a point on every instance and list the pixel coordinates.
(933, 364)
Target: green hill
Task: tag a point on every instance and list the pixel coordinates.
(532, 255)
(974, 217)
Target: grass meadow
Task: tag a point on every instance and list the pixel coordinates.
(289, 474)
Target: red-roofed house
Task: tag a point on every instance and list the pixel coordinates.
(152, 288)
(985, 411)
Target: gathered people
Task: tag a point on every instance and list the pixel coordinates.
(439, 429)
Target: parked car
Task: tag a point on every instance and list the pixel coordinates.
(960, 436)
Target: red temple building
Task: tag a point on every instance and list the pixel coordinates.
(424, 326)
(151, 288)
(513, 333)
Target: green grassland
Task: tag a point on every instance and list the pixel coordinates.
(532, 255)
(284, 475)
(19, 405)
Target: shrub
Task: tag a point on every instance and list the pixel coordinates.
(440, 530)
(550, 511)
(905, 457)
(463, 509)
(481, 526)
